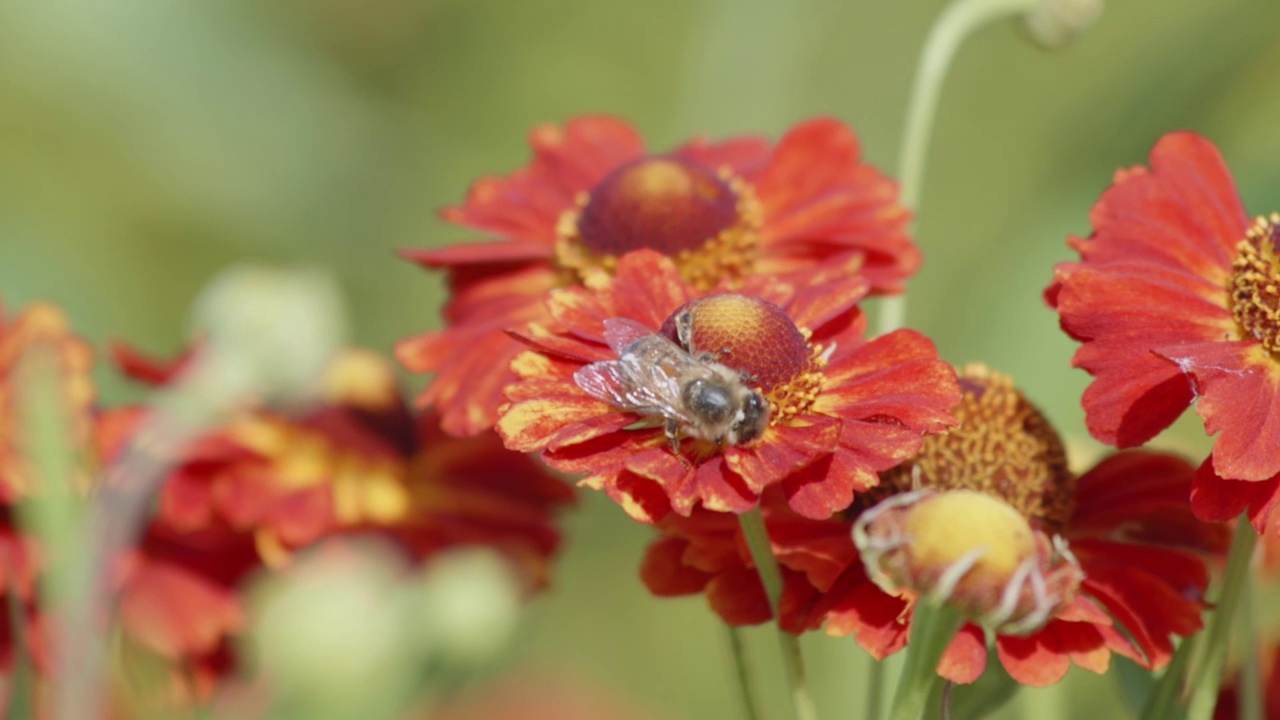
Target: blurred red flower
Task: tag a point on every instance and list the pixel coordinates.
(840, 408)
(360, 463)
(1175, 299)
(722, 211)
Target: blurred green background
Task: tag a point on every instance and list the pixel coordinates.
(146, 145)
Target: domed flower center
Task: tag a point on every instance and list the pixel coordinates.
(1255, 283)
(709, 222)
(1003, 447)
(759, 340)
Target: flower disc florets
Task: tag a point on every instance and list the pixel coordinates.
(1255, 283)
(1003, 447)
(709, 222)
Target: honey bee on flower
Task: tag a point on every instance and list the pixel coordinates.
(788, 391)
(693, 394)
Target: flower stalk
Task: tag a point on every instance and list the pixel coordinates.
(753, 528)
(1206, 671)
(959, 20)
(742, 671)
(932, 629)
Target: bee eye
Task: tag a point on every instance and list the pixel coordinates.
(709, 401)
(755, 416)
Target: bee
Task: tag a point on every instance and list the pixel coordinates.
(693, 394)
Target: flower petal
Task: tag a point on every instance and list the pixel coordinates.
(816, 190)
(1122, 313)
(664, 572)
(1216, 499)
(1238, 384)
(1141, 496)
(856, 606)
(525, 205)
(1043, 659)
(1184, 212)
(965, 658)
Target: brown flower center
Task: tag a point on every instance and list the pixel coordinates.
(759, 340)
(709, 222)
(1255, 283)
(1003, 446)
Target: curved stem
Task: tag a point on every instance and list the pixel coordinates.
(743, 673)
(1206, 675)
(753, 528)
(959, 20)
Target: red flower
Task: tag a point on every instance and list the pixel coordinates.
(723, 211)
(1175, 300)
(1125, 521)
(839, 408)
(179, 599)
(361, 464)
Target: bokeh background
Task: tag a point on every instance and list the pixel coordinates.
(145, 145)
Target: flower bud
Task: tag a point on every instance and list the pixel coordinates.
(272, 331)
(971, 551)
(329, 633)
(1055, 23)
(467, 606)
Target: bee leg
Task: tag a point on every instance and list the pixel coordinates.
(673, 436)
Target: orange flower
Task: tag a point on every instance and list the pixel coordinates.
(1125, 523)
(838, 408)
(722, 211)
(361, 463)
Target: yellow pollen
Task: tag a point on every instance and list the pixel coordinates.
(797, 395)
(727, 256)
(1003, 447)
(1255, 283)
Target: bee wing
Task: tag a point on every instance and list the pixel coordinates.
(644, 380)
(621, 332)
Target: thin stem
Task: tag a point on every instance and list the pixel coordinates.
(1207, 676)
(932, 629)
(1251, 692)
(959, 20)
(743, 668)
(1161, 702)
(757, 537)
(875, 689)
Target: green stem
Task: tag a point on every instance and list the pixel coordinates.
(932, 629)
(1251, 693)
(1161, 702)
(875, 689)
(1207, 675)
(743, 668)
(753, 528)
(959, 20)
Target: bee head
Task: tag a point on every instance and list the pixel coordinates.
(753, 418)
